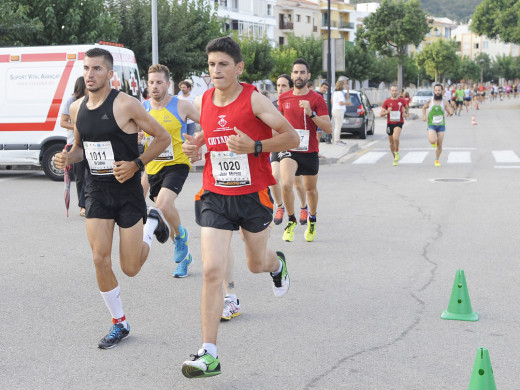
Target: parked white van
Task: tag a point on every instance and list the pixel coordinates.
(35, 82)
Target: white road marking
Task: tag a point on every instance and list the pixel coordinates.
(459, 157)
(505, 156)
(370, 158)
(413, 158)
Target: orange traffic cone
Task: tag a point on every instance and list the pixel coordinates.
(473, 120)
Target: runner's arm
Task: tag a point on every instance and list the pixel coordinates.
(76, 152)
(190, 110)
(287, 137)
(425, 107)
(150, 125)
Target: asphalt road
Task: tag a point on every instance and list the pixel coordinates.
(363, 310)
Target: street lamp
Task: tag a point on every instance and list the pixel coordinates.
(482, 70)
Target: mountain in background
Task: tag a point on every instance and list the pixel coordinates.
(458, 10)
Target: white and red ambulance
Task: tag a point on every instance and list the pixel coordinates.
(35, 83)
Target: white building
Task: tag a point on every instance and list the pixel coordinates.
(471, 44)
(298, 17)
(252, 18)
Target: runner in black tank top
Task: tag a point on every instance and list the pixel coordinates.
(106, 126)
(98, 125)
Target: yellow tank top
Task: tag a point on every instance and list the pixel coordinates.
(170, 119)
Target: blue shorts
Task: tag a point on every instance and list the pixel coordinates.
(437, 128)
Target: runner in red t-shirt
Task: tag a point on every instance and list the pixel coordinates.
(395, 110)
(306, 111)
(236, 125)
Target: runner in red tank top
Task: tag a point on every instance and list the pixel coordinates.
(306, 111)
(236, 122)
(395, 109)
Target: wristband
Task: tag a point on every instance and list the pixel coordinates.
(258, 148)
(139, 164)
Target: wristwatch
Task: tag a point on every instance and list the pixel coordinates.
(313, 114)
(258, 148)
(139, 164)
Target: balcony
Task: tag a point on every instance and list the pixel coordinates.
(286, 25)
(346, 26)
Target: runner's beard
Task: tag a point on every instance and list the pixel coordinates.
(438, 96)
(299, 83)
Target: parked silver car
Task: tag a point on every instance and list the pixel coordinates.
(421, 97)
(359, 117)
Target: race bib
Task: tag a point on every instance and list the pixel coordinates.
(230, 169)
(437, 119)
(167, 155)
(395, 116)
(100, 157)
(304, 141)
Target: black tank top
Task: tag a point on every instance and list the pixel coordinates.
(99, 125)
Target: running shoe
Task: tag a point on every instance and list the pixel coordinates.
(162, 231)
(288, 233)
(397, 156)
(231, 309)
(182, 269)
(181, 246)
(281, 281)
(395, 163)
(117, 333)
(278, 217)
(437, 163)
(310, 233)
(304, 214)
(202, 365)
(434, 146)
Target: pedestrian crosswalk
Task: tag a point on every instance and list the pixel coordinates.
(453, 156)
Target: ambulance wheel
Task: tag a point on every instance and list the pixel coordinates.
(49, 168)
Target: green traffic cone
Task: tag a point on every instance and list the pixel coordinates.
(482, 377)
(459, 307)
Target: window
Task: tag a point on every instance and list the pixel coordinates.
(280, 41)
(476, 45)
(269, 10)
(297, 18)
(235, 5)
(485, 44)
(308, 19)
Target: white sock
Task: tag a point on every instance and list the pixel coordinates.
(210, 348)
(279, 268)
(112, 299)
(149, 228)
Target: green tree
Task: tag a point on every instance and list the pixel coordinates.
(258, 59)
(498, 19)
(395, 25)
(71, 21)
(310, 49)
(283, 58)
(384, 70)
(358, 63)
(16, 25)
(438, 58)
(467, 69)
(184, 29)
(507, 66)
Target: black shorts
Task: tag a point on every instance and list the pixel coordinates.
(124, 203)
(308, 163)
(274, 157)
(458, 102)
(468, 99)
(391, 126)
(252, 212)
(171, 177)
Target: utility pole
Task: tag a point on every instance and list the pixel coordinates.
(155, 40)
